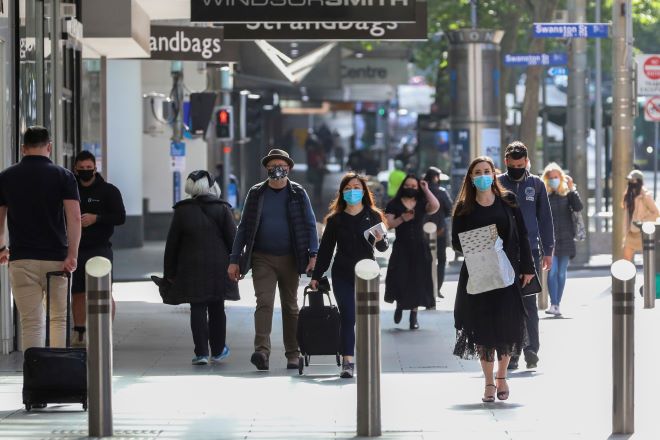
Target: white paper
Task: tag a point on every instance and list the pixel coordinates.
(380, 227)
(488, 266)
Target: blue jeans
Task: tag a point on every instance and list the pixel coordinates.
(557, 279)
(344, 289)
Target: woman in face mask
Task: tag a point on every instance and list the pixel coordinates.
(491, 325)
(409, 279)
(639, 207)
(351, 214)
(564, 200)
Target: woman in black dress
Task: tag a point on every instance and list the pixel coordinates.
(351, 213)
(409, 280)
(491, 321)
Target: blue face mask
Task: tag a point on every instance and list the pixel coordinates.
(353, 196)
(554, 183)
(483, 183)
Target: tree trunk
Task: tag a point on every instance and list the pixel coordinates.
(543, 11)
(509, 44)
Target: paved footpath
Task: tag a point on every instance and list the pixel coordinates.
(426, 392)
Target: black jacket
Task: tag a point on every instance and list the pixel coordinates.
(302, 225)
(197, 251)
(104, 200)
(562, 218)
(516, 247)
(350, 243)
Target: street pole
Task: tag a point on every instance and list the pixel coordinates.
(177, 126)
(473, 13)
(622, 114)
(544, 127)
(227, 85)
(577, 113)
(655, 163)
(598, 124)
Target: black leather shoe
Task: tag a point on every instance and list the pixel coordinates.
(413, 320)
(260, 360)
(531, 359)
(513, 363)
(398, 314)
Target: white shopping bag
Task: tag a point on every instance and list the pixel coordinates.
(488, 266)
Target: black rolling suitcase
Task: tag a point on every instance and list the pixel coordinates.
(55, 375)
(318, 327)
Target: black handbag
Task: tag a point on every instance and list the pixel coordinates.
(533, 287)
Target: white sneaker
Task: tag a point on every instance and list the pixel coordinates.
(557, 312)
(550, 310)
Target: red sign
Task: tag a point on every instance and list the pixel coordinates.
(652, 109)
(652, 67)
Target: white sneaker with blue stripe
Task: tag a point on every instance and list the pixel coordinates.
(222, 356)
(200, 360)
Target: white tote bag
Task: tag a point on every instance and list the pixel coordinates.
(488, 266)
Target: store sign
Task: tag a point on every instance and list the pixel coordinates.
(374, 71)
(332, 31)
(190, 44)
(648, 75)
(287, 11)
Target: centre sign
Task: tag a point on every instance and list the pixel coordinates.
(288, 11)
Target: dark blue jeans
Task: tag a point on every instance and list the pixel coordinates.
(557, 278)
(344, 289)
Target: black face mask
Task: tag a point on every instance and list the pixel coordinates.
(409, 192)
(277, 173)
(85, 175)
(515, 173)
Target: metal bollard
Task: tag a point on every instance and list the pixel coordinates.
(648, 240)
(431, 230)
(367, 350)
(99, 346)
(623, 347)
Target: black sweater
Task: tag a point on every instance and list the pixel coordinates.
(104, 200)
(346, 233)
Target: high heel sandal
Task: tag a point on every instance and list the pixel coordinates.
(489, 399)
(502, 395)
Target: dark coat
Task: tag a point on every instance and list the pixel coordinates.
(562, 218)
(197, 251)
(516, 247)
(302, 224)
(351, 245)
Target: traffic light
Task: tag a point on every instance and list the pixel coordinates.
(254, 118)
(224, 123)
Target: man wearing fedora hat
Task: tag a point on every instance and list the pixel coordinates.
(277, 239)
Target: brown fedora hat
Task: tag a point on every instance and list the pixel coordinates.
(276, 153)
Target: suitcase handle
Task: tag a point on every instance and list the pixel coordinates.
(67, 275)
(309, 290)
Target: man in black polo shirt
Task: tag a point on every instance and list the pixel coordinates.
(102, 209)
(40, 202)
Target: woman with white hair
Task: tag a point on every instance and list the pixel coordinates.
(564, 200)
(196, 260)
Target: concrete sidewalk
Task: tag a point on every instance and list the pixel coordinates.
(427, 393)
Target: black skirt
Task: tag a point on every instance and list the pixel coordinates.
(494, 321)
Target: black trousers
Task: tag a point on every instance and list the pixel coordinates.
(208, 323)
(532, 342)
(442, 259)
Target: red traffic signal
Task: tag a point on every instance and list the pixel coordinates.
(224, 127)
